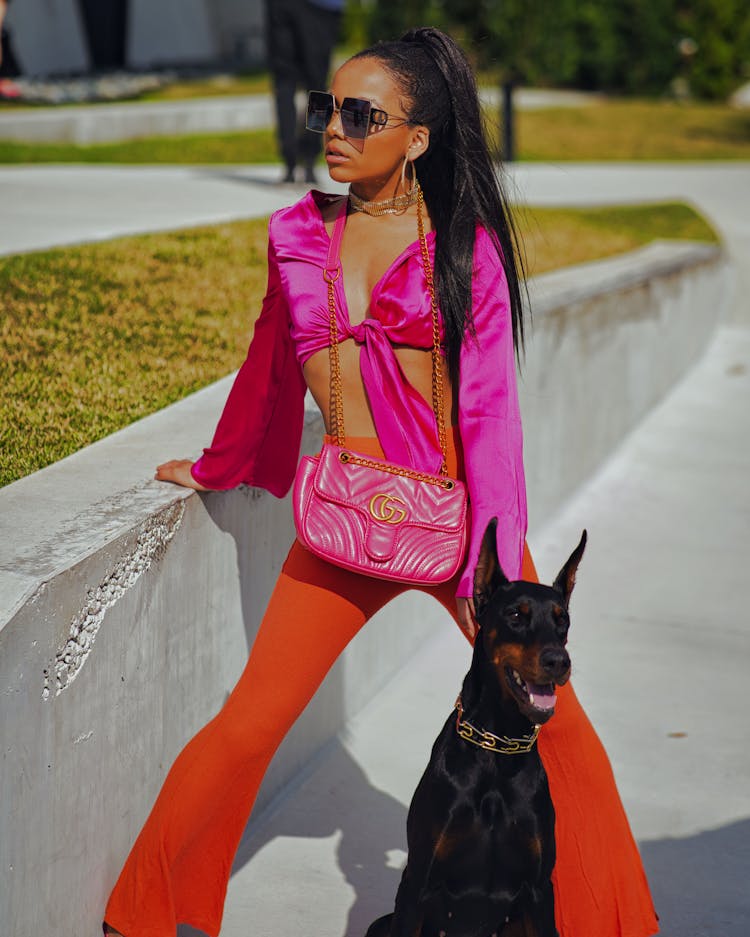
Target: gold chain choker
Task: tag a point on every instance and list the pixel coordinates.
(388, 206)
(493, 743)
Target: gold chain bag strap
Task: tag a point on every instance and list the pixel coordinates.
(370, 515)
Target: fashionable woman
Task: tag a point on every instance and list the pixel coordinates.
(402, 127)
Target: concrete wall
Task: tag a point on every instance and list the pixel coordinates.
(127, 606)
(610, 338)
(92, 123)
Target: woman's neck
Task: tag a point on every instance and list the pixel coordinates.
(378, 190)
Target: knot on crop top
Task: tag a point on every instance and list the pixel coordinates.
(404, 421)
(399, 314)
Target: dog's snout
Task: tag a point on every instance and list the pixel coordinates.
(555, 661)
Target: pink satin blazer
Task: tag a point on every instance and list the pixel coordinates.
(257, 440)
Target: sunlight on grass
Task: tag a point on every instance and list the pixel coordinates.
(635, 130)
(257, 146)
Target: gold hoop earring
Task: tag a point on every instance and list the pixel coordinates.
(413, 186)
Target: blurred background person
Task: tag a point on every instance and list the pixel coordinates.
(8, 65)
(301, 37)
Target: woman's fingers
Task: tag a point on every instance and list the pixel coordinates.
(178, 472)
(466, 617)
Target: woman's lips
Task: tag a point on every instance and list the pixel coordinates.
(334, 156)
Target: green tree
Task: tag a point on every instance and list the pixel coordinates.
(390, 19)
(721, 31)
(624, 46)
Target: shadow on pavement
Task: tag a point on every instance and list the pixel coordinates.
(372, 844)
(701, 884)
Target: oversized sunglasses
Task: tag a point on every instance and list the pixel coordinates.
(357, 115)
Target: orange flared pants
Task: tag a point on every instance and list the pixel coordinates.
(178, 869)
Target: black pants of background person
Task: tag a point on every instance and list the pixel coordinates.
(8, 66)
(301, 37)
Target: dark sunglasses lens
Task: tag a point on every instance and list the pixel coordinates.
(319, 111)
(355, 117)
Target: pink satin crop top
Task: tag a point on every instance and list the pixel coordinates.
(257, 440)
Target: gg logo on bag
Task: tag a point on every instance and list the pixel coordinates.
(383, 508)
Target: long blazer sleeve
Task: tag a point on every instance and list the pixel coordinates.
(490, 420)
(257, 440)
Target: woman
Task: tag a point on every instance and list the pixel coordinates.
(397, 109)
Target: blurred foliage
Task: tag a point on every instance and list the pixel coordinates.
(699, 47)
(721, 29)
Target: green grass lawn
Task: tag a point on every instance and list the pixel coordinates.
(611, 130)
(95, 337)
(257, 146)
(635, 130)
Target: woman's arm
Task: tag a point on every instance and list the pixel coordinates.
(490, 420)
(258, 436)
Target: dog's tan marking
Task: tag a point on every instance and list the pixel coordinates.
(509, 654)
(523, 659)
(444, 845)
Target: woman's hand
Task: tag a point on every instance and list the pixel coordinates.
(466, 618)
(178, 471)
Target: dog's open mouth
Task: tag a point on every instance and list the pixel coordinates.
(538, 697)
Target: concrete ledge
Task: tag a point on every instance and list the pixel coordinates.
(127, 606)
(100, 123)
(610, 338)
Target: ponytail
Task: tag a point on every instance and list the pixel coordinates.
(460, 184)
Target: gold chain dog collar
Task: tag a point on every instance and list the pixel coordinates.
(501, 744)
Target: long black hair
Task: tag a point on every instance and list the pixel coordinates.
(456, 173)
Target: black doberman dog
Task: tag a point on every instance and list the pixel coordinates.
(481, 824)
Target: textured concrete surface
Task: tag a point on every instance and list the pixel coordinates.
(660, 642)
(100, 123)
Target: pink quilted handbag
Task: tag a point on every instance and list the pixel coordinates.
(369, 515)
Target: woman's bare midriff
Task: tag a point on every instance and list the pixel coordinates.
(368, 248)
(417, 367)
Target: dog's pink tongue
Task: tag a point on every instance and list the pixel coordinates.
(543, 697)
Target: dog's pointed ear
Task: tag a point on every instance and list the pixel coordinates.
(488, 575)
(566, 578)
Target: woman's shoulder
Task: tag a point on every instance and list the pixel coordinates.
(485, 239)
(305, 216)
